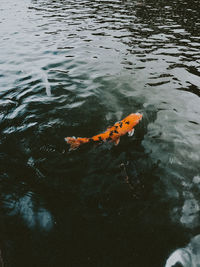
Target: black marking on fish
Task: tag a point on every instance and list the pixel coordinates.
(115, 131)
(111, 133)
(91, 140)
(127, 122)
(109, 139)
(120, 125)
(100, 139)
(116, 126)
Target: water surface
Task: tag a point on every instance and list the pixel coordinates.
(73, 68)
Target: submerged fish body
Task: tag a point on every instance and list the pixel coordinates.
(112, 133)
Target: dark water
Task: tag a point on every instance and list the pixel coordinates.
(73, 68)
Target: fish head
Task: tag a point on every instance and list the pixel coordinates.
(134, 118)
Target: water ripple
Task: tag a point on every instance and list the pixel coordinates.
(74, 68)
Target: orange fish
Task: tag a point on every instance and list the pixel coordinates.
(113, 133)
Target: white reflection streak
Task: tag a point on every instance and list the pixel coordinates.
(46, 83)
(43, 76)
(186, 257)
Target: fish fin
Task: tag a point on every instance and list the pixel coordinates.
(116, 141)
(109, 127)
(130, 133)
(73, 142)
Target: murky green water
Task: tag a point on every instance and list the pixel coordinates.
(73, 68)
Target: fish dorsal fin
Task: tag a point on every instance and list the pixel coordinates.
(116, 141)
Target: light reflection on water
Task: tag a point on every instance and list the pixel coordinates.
(33, 216)
(73, 68)
(188, 256)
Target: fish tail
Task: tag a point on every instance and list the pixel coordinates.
(75, 142)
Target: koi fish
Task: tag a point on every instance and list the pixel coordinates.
(112, 133)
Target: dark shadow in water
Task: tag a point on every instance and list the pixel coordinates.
(82, 208)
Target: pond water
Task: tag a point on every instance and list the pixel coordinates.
(72, 68)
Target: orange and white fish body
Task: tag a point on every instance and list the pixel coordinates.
(112, 133)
